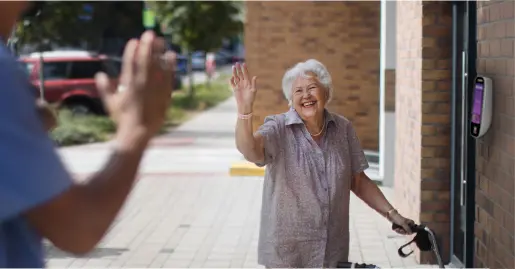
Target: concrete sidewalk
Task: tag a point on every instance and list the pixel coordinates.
(186, 211)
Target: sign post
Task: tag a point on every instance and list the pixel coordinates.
(149, 17)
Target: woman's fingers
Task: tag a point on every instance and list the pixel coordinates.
(239, 71)
(254, 83)
(232, 83)
(400, 231)
(406, 227)
(234, 71)
(245, 71)
(410, 224)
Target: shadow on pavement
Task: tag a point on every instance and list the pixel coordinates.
(100, 252)
(197, 134)
(224, 109)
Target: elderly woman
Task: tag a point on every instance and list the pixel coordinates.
(313, 159)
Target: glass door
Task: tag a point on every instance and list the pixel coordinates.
(462, 143)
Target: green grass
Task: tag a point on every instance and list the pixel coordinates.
(75, 130)
(205, 96)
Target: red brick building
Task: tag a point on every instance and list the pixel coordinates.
(462, 187)
(280, 34)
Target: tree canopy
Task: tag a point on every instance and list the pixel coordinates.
(194, 25)
(57, 22)
(70, 23)
(199, 25)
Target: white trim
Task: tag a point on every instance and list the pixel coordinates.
(382, 138)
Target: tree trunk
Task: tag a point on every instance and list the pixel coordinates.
(208, 81)
(190, 76)
(41, 77)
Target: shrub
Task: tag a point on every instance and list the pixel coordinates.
(206, 96)
(80, 129)
(174, 116)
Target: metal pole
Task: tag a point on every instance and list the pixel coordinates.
(382, 62)
(41, 76)
(149, 18)
(455, 181)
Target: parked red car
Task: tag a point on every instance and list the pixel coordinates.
(69, 78)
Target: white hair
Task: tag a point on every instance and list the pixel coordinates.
(302, 69)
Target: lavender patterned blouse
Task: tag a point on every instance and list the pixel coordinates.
(305, 208)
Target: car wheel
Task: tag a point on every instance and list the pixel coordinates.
(81, 105)
(80, 109)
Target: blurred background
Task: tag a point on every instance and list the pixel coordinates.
(63, 44)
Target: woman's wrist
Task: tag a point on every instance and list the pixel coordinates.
(390, 213)
(245, 109)
(245, 116)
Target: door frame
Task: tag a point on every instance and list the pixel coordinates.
(459, 13)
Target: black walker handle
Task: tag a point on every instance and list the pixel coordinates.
(431, 237)
(414, 227)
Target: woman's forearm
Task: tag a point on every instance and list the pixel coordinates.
(246, 143)
(370, 193)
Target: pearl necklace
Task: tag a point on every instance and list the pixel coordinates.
(319, 133)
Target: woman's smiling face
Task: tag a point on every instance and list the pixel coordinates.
(308, 96)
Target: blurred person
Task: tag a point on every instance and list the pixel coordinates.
(38, 198)
(313, 160)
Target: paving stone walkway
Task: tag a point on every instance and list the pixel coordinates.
(186, 211)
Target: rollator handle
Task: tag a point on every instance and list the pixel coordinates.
(425, 239)
(414, 227)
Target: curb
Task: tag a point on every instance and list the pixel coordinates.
(246, 169)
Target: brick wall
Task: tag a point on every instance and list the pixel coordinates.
(408, 115)
(344, 36)
(495, 159)
(389, 90)
(423, 94)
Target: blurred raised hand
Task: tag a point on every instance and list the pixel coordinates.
(138, 104)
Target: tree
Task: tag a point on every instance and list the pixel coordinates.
(78, 23)
(55, 22)
(199, 25)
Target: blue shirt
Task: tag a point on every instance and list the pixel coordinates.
(31, 172)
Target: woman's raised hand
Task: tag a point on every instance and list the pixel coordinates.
(244, 88)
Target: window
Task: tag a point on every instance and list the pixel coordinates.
(88, 69)
(55, 70)
(85, 69)
(112, 67)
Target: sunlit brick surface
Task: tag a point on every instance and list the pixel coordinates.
(343, 35)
